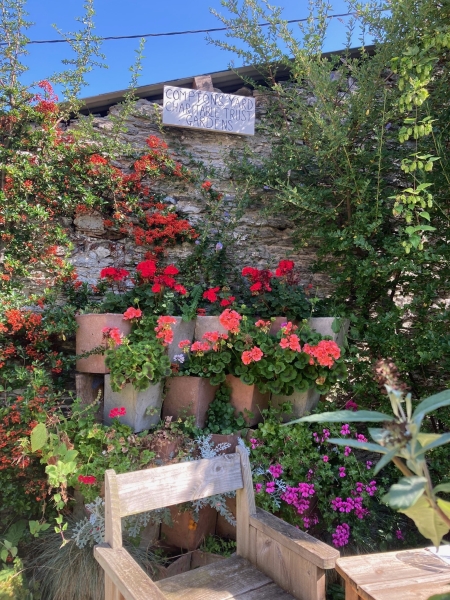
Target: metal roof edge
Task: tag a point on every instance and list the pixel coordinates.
(229, 78)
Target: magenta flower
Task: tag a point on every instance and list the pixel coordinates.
(345, 429)
(325, 458)
(275, 470)
(342, 472)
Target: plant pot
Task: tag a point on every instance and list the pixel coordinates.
(302, 402)
(186, 396)
(137, 405)
(185, 533)
(204, 324)
(223, 528)
(182, 330)
(247, 398)
(165, 447)
(323, 325)
(89, 335)
(231, 438)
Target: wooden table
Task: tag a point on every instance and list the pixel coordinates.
(406, 575)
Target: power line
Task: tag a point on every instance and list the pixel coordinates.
(170, 33)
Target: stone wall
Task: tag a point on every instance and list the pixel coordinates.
(260, 241)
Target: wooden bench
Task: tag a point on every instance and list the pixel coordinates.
(270, 553)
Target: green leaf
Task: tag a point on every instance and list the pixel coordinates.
(440, 597)
(442, 487)
(425, 215)
(384, 460)
(427, 520)
(347, 416)
(443, 439)
(405, 493)
(38, 437)
(431, 403)
(356, 444)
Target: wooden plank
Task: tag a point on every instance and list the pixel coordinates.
(126, 575)
(407, 591)
(393, 567)
(304, 545)
(245, 507)
(220, 581)
(111, 591)
(174, 484)
(113, 524)
(270, 591)
(289, 570)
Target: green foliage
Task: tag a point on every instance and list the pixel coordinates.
(400, 440)
(220, 417)
(141, 358)
(217, 545)
(359, 197)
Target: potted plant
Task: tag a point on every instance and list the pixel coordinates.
(278, 294)
(199, 368)
(89, 334)
(156, 291)
(138, 363)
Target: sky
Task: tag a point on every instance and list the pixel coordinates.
(166, 58)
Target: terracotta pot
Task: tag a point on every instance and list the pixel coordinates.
(182, 330)
(143, 408)
(89, 335)
(166, 449)
(204, 324)
(223, 528)
(247, 398)
(186, 396)
(231, 438)
(185, 532)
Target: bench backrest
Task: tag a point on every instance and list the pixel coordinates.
(140, 491)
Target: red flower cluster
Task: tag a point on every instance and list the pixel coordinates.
(148, 271)
(326, 352)
(164, 331)
(117, 412)
(230, 320)
(211, 294)
(132, 313)
(212, 342)
(87, 479)
(207, 185)
(284, 267)
(260, 279)
(96, 159)
(253, 355)
(113, 274)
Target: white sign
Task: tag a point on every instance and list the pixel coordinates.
(197, 109)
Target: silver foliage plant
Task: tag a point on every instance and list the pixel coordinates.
(91, 530)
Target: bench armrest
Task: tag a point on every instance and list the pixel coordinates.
(299, 542)
(124, 572)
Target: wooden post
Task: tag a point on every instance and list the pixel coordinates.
(113, 528)
(245, 507)
(203, 82)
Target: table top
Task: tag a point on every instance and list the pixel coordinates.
(405, 575)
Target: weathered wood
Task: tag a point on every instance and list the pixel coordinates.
(304, 545)
(203, 82)
(268, 592)
(174, 484)
(410, 574)
(111, 591)
(113, 523)
(126, 575)
(220, 581)
(289, 570)
(245, 507)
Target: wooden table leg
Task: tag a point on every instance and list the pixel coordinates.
(350, 592)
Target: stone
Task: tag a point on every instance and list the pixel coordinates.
(323, 325)
(204, 324)
(302, 402)
(182, 330)
(247, 399)
(91, 224)
(143, 408)
(188, 396)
